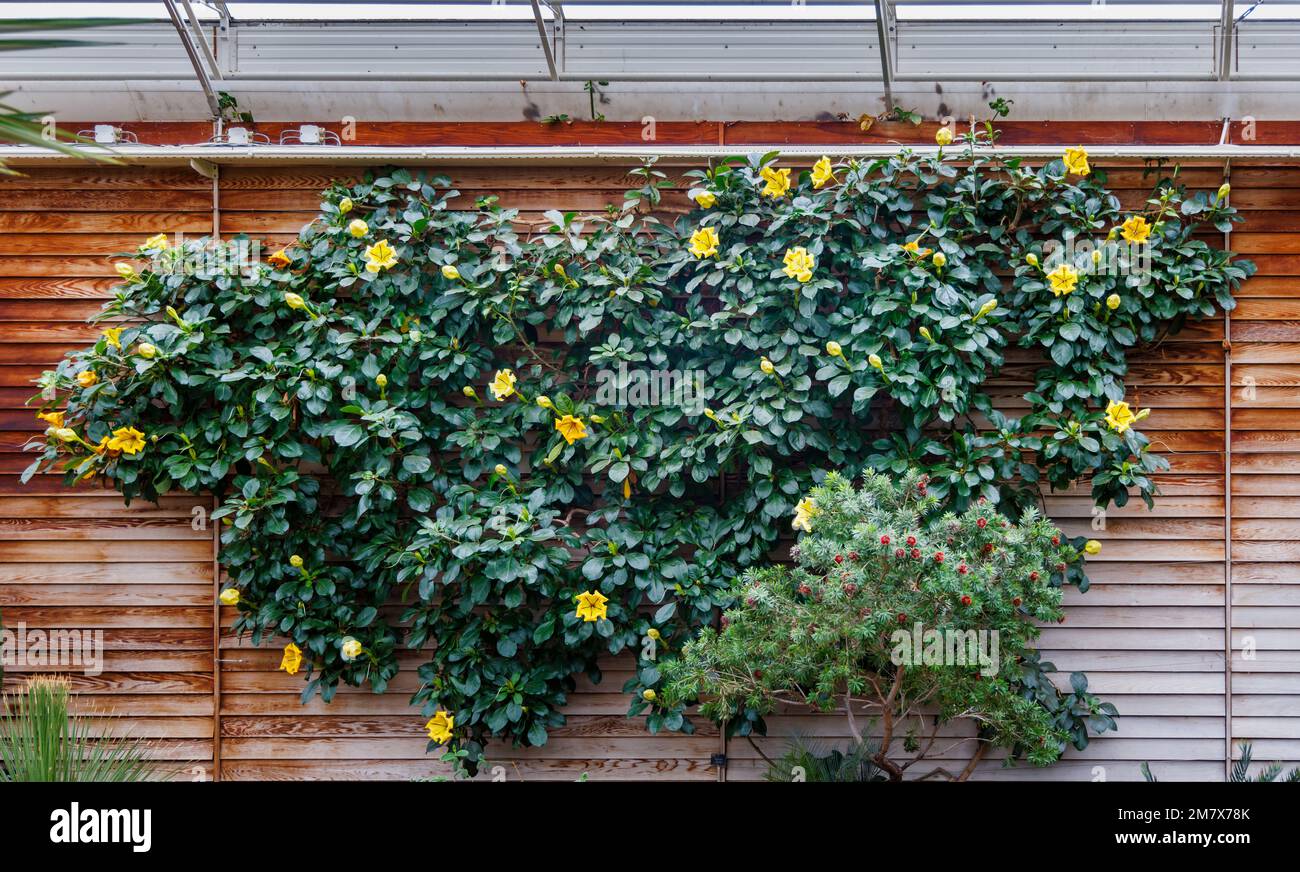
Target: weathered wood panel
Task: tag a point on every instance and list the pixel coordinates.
(137, 580)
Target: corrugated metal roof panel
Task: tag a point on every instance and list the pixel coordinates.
(140, 51)
(1268, 50)
(429, 49)
(705, 50)
(1051, 51)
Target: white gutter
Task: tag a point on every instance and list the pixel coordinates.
(169, 155)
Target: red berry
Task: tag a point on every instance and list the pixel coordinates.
(983, 500)
(1056, 540)
(758, 673)
(988, 547)
(911, 540)
(1060, 567)
(981, 523)
(962, 568)
(916, 553)
(1016, 601)
(839, 558)
(1033, 576)
(938, 557)
(965, 599)
(853, 555)
(725, 621)
(751, 601)
(850, 589)
(805, 589)
(902, 618)
(899, 552)
(884, 540)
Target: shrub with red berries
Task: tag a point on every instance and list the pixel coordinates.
(813, 649)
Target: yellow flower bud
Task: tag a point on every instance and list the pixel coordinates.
(925, 334)
(939, 259)
(648, 695)
(1096, 256)
(66, 434)
(766, 366)
(146, 350)
(469, 392)
(87, 378)
(652, 633)
(943, 136)
(1113, 234)
(1092, 547)
(875, 361)
(710, 414)
(295, 561)
(450, 273)
(834, 349)
(545, 402)
(381, 380)
(501, 469)
(229, 597)
(1031, 259)
(294, 301)
(345, 205)
(351, 648)
(126, 271)
(598, 419)
(358, 228)
(1224, 190)
(1112, 302)
(705, 199)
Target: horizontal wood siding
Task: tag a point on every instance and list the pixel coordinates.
(1151, 633)
(78, 559)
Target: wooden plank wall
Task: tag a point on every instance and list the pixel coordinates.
(1151, 632)
(80, 560)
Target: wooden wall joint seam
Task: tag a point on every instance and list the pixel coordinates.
(1227, 511)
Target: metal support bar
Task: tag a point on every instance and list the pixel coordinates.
(226, 155)
(546, 42)
(214, 105)
(884, 24)
(201, 40)
(1227, 30)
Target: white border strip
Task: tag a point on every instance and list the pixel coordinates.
(270, 154)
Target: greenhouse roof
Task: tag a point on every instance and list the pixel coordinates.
(673, 59)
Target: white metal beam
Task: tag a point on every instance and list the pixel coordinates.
(577, 155)
(214, 105)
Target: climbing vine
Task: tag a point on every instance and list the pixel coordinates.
(409, 417)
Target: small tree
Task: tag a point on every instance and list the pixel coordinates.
(921, 618)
